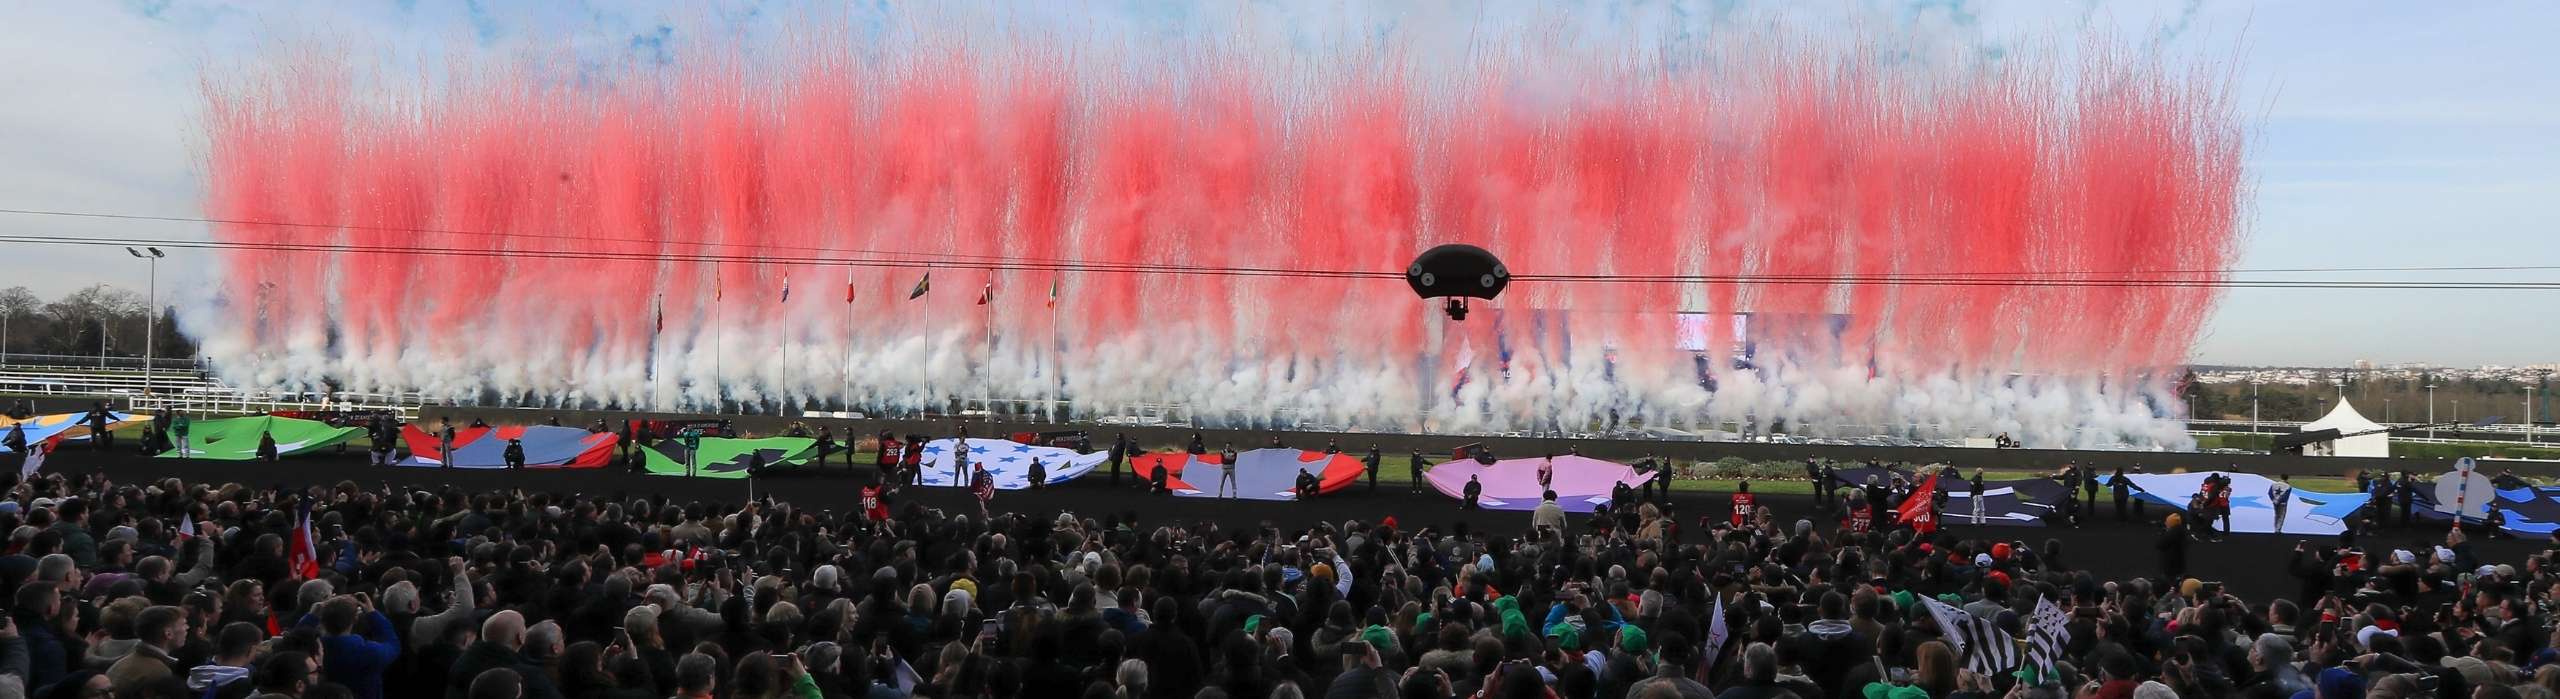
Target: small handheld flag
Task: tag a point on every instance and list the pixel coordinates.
(1986, 649)
(923, 284)
(1916, 506)
(304, 559)
(34, 460)
(1717, 634)
(2047, 635)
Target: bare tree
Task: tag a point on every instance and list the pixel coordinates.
(83, 318)
(15, 301)
(98, 301)
(87, 322)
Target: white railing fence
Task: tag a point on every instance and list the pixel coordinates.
(185, 392)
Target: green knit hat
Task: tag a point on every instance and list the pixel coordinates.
(1566, 635)
(1379, 637)
(1630, 638)
(1882, 690)
(1515, 626)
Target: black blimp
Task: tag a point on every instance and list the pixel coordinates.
(1457, 272)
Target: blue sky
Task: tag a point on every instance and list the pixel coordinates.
(2383, 134)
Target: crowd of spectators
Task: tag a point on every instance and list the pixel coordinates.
(220, 591)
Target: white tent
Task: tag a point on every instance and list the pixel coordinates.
(2373, 442)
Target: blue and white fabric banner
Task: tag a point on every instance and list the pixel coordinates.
(2466, 491)
(2306, 512)
(44, 427)
(1009, 461)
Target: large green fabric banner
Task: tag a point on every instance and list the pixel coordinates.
(236, 438)
(722, 457)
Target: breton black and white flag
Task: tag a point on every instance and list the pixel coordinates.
(1986, 649)
(2047, 634)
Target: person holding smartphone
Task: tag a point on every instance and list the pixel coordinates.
(359, 644)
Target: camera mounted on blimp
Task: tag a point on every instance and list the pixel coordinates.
(1457, 272)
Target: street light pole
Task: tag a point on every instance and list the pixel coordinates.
(2253, 405)
(150, 336)
(2528, 414)
(2431, 410)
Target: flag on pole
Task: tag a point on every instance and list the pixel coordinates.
(1917, 509)
(2047, 634)
(1986, 649)
(661, 306)
(923, 284)
(1717, 634)
(848, 286)
(1053, 293)
(35, 460)
(305, 558)
(715, 283)
(786, 287)
(987, 293)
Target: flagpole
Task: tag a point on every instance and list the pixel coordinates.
(924, 285)
(1057, 357)
(658, 326)
(848, 344)
(987, 376)
(1056, 362)
(719, 375)
(719, 384)
(785, 399)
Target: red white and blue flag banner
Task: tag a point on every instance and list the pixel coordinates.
(305, 558)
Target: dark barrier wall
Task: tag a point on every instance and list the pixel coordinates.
(1439, 446)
